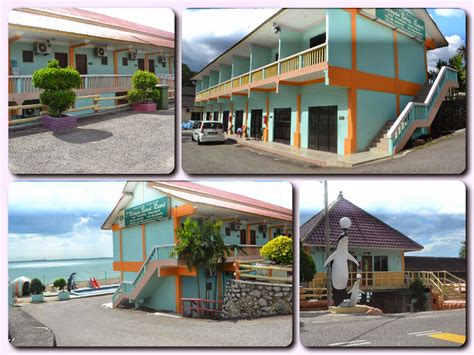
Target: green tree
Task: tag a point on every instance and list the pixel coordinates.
(457, 62)
(462, 251)
(417, 290)
(187, 75)
(202, 246)
(279, 250)
(60, 284)
(144, 88)
(307, 266)
(36, 287)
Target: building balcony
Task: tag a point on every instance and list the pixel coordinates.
(370, 280)
(305, 66)
(20, 87)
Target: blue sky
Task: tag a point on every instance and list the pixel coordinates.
(209, 32)
(62, 220)
(433, 213)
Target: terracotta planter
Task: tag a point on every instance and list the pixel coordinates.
(63, 295)
(58, 124)
(149, 107)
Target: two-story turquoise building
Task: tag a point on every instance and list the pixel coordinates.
(333, 80)
(144, 224)
(106, 51)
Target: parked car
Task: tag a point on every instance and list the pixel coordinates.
(209, 131)
(196, 129)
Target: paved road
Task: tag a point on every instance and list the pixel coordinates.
(85, 322)
(425, 329)
(447, 156)
(121, 143)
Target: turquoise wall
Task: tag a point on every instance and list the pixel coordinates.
(394, 257)
(374, 109)
(375, 53)
(225, 73)
(290, 42)
(411, 59)
(132, 244)
(338, 38)
(205, 82)
(163, 298)
(116, 245)
(240, 65)
(311, 32)
(213, 78)
(259, 56)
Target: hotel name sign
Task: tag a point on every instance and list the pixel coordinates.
(148, 212)
(403, 20)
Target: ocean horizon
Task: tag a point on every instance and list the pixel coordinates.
(48, 270)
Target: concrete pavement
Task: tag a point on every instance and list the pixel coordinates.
(87, 322)
(445, 156)
(424, 329)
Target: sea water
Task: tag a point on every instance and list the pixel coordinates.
(49, 270)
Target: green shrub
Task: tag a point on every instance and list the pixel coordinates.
(60, 284)
(36, 287)
(307, 267)
(417, 290)
(155, 96)
(58, 84)
(144, 90)
(278, 250)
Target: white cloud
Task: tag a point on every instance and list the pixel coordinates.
(397, 196)
(455, 41)
(222, 22)
(450, 12)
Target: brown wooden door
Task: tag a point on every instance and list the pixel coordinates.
(253, 237)
(151, 65)
(81, 63)
(141, 63)
(367, 267)
(243, 237)
(62, 59)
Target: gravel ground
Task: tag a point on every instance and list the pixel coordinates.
(120, 143)
(85, 322)
(444, 156)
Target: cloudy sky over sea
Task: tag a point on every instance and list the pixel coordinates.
(207, 33)
(62, 220)
(433, 213)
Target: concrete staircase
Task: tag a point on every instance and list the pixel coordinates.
(380, 142)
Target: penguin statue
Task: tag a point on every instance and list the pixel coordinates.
(355, 291)
(339, 267)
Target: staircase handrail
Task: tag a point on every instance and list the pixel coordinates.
(426, 103)
(455, 278)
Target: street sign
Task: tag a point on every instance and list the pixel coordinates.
(148, 212)
(403, 20)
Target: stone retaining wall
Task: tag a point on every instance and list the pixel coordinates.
(248, 299)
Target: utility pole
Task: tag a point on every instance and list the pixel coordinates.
(328, 243)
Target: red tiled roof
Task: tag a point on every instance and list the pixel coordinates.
(210, 195)
(367, 231)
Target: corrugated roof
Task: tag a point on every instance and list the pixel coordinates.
(211, 196)
(434, 263)
(45, 21)
(367, 231)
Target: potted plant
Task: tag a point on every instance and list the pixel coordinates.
(60, 284)
(278, 251)
(417, 293)
(58, 95)
(144, 96)
(36, 290)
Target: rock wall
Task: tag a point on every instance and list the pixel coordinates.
(248, 299)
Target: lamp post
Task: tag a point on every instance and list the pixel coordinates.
(328, 244)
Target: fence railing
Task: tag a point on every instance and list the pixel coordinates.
(418, 111)
(306, 58)
(201, 308)
(257, 271)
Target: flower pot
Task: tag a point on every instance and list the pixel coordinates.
(63, 295)
(37, 298)
(148, 107)
(58, 124)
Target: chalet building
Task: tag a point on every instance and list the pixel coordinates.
(380, 250)
(144, 224)
(189, 109)
(333, 80)
(106, 51)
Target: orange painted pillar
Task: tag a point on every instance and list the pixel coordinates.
(179, 294)
(350, 143)
(267, 113)
(297, 134)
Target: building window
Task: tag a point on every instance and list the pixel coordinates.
(317, 40)
(276, 57)
(28, 56)
(125, 61)
(227, 232)
(104, 60)
(380, 263)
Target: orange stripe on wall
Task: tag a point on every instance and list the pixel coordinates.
(128, 266)
(177, 270)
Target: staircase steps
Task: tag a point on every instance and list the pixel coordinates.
(380, 142)
(423, 93)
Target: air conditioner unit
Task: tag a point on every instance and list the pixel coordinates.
(42, 48)
(100, 52)
(132, 55)
(238, 226)
(263, 228)
(162, 59)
